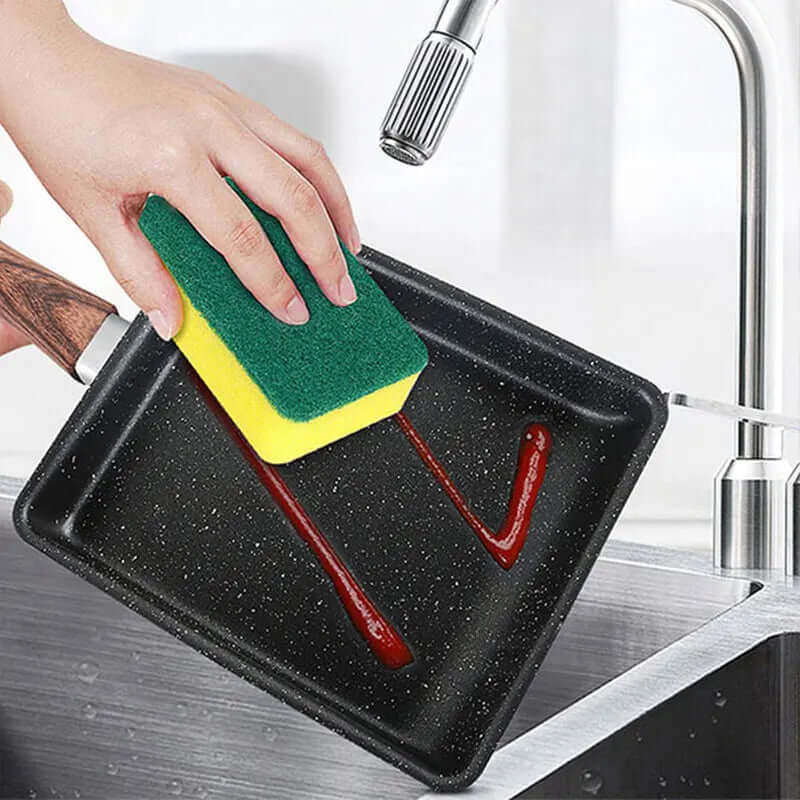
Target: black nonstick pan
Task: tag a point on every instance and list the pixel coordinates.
(406, 609)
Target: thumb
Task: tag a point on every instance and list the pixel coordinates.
(10, 337)
(6, 198)
(139, 271)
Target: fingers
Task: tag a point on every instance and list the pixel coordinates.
(277, 187)
(11, 338)
(227, 224)
(6, 199)
(307, 156)
(139, 271)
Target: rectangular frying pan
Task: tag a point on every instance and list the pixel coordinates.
(386, 612)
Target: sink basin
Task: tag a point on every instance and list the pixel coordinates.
(95, 699)
(714, 712)
(625, 613)
(732, 734)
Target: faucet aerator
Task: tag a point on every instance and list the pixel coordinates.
(403, 151)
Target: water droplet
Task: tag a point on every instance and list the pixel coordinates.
(719, 699)
(136, 655)
(662, 782)
(89, 711)
(638, 736)
(201, 792)
(175, 786)
(131, 732)
(32, 793)
(706, 781)
(714, 720)
(76, 793)
(683, 779)
(88, 671)
(591, 782)
(181, 709)
(692, 734)
(112, 768)
(270, 734)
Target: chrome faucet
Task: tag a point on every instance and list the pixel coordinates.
(750, 490)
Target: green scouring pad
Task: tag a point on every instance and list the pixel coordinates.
(289, 389)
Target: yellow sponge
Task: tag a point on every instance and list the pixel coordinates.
(289, 389)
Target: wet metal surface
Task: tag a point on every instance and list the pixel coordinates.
(660, 694)
(95, 699)
(733, 734)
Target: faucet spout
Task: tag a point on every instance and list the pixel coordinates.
(746, 500)
(427, 96)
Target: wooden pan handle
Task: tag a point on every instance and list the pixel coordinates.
(59, 316)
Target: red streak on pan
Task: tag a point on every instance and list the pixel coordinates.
(384, 640)
(377, 631)
(506, 545)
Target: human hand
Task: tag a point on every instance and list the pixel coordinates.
(10, 337)
(103, 128)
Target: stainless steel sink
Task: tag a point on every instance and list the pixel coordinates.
(732, 734)
(95, 699)
(625, 613)
(713, 714)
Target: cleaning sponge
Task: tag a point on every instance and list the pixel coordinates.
(289, 389)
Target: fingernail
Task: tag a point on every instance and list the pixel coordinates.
(346, 290)
(355, 240)
(296, 311)
(160, 324)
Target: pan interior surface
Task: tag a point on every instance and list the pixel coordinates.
(147, 494)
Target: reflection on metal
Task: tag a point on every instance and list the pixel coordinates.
(793, 523)
(100, 347)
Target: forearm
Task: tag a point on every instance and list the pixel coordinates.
(30, 31)
(22, 19)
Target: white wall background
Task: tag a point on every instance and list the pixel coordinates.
(588, 183)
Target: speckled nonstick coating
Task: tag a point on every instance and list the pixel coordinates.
(147, 495)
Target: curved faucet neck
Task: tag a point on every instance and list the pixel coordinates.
(760, 351)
